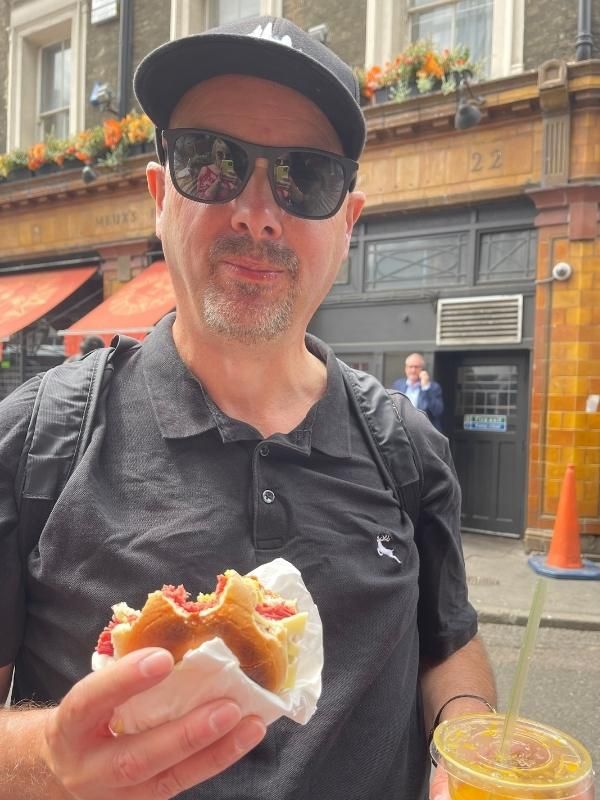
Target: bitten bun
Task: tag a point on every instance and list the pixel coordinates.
(262, 644)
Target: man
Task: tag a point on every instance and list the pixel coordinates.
(89, 344)
(228, 440)
(422, 392)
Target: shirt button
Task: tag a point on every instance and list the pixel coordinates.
(264, 450)
(268, 496)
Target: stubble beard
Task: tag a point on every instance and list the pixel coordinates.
(249, 312)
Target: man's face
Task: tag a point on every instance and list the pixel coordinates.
(412, 367)
(247, 270)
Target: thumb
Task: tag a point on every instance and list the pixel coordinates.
(90, 702)
(438, 789)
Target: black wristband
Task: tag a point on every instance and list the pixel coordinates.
(436, 721)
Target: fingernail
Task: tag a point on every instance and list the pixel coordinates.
(116, 726)
(223, 718)
(159, 663)
(249, 734)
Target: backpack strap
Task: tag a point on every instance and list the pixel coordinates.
(394, 452)
(60, 429)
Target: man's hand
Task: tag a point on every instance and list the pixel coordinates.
(424, 379)
(91, 763)
(438, 789)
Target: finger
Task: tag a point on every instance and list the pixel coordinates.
(208, 762)
(438, 789)
(90, 703)
(137, 758)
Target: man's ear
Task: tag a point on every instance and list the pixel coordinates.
(155, 175)
(354, 207)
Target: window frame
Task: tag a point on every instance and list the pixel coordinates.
(34, 25)
(192, 16)
(415, 11)
(42, 115)
(474, 227)
(388, 32)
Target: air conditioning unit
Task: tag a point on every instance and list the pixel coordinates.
(497, 319)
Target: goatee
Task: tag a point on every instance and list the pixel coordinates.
(249, 312)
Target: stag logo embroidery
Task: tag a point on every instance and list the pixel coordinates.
(382, 550)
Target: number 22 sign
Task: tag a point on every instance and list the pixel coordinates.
(481, 162)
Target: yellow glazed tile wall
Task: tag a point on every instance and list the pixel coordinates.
(566, 370)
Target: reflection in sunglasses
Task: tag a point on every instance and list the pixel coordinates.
(308, 183)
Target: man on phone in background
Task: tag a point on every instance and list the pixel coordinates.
(422, 392)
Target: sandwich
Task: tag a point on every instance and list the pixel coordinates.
(262, 629)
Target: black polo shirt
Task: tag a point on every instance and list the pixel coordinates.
(171, 490)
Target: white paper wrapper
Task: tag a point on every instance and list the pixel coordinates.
(212, 672)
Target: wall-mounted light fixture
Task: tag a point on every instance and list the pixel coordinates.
(88, 175)
(467, 104)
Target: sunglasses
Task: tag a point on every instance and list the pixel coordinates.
(305, 182)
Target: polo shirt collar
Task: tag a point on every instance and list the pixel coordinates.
(182, 410)
(331, 427)
(175, 393)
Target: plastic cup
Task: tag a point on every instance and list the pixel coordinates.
(542, 763)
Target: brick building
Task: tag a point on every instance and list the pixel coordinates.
(454, 255)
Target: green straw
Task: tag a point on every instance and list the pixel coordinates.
(518, 686)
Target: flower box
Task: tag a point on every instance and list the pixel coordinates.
(18, 174)
(419, 69)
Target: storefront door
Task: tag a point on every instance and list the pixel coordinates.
(487, 426)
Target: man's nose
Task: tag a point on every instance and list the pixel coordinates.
(255, 211)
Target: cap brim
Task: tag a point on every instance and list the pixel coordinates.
(165, 75)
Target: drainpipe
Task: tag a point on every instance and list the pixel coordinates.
(583, 42)
(125, 48)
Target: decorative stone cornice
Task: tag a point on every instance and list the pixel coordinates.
(67, 185)
(517, 96)
(577, 207)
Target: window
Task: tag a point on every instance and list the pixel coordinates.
(448, 23)
(55, 89)
(46, 70)
(489, 389)
(223, 11)
(194, 16)
(491, 29)
(507, 255)
(415, 263)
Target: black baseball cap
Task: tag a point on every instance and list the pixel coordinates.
(265, 47)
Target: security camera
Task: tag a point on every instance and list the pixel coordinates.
(101, 97)
(319, 32)
(562, 271)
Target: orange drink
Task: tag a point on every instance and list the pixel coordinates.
(541, 763)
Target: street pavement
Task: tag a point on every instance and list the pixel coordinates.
(501, 586)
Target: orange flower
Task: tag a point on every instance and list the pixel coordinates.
(431, 66)
(36, 156)
(137, 128)
(112, 133)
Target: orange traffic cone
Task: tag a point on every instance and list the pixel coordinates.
(565, 546)
(564, 556)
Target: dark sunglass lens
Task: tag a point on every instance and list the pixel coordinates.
(318, 183)
(208, 167)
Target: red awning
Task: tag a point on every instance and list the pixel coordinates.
(134, 309)
(27, 296)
